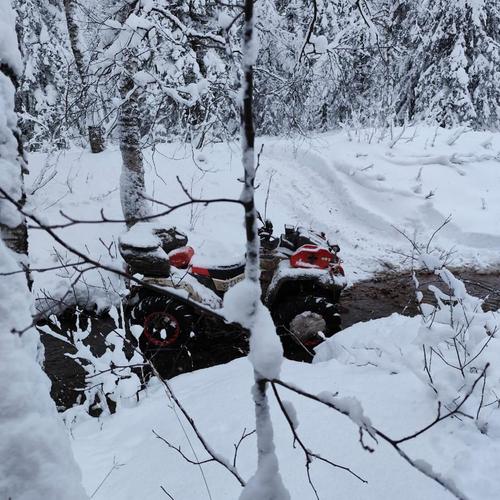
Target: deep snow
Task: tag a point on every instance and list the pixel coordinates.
(375, 366)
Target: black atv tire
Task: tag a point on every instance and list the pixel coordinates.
(170, 353)
(290, 308)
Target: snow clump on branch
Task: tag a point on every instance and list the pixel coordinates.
(266, 351)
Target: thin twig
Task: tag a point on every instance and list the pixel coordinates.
(309, 455)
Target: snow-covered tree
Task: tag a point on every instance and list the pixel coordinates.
(321, 63)
(12, 162)
(452, 55)
(90, 100)
(47, 99)
(243, 302)
(35, 455)
(167, 73)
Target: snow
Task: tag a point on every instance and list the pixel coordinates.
(368, 367)
(9, 49)
(224, 20)
(266, 351)
(9, 167)
(141, 235)
(291, 413)
(348, 406)
(35, 455)
(329, 182)
(108, 375)
(266, 484)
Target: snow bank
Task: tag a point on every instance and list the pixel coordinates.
(375, 363)
(35, 456)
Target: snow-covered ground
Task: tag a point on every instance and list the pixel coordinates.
(376, 362)
(357, 186)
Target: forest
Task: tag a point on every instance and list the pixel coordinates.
(249, 249)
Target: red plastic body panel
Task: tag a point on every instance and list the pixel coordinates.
(311, 257)
(181, 257)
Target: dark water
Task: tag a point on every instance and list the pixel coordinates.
(395, 292)
(376, 298)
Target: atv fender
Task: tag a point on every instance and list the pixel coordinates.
(289, 281)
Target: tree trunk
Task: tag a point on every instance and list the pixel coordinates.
(33, 443)
(95, 131)
(266, 484)
(96, 138)
(132, 184)
(12, 224)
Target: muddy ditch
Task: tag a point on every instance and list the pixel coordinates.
(378, 297)
(388, 293)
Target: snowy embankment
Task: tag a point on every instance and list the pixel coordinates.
(356, 186)
(379, 363)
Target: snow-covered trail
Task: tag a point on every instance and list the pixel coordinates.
(362, 193)
(320, 198)
(357, 192)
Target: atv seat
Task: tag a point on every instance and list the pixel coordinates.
(221, 272)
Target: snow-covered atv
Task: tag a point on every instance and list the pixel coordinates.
(301, 278)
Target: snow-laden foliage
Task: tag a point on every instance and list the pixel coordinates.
(454, 352)
(321, 64)
(48, 95)
(459, 342)
(451, 57)
(177, 67)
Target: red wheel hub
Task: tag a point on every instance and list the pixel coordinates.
(161, 329)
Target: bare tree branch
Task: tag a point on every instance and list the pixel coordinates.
(309, 455)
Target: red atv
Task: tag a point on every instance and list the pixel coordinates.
(301, 278)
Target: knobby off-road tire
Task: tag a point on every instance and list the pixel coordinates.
(166, 337)
(292, 313)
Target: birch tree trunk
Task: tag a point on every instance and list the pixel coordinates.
(132, 183)
(96, 139)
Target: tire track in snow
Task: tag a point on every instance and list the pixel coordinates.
(355, 222)
(356, 225)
